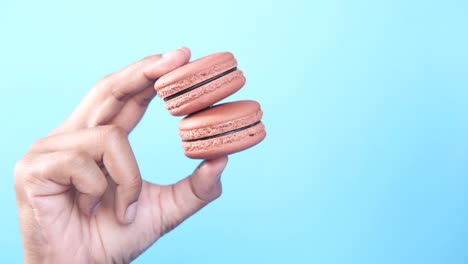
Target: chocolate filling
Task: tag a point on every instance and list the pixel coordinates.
(225, 133)
(199, 84)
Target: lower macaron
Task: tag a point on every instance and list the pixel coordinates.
(222, 130)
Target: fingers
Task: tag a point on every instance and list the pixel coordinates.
(107, 145)
(168, 62)
(110, 95)
(186, 197)
(57, 172)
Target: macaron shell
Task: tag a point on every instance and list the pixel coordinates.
(218, 123)
(219, 114)
(225, 145)
(194, 73)
(206, 95)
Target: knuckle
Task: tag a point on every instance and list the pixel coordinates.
(106, 81)
(76, 157)
(37, 145)
(115, 133)
(134, 182)
(100, 186)
(21, 169)
(119, 95)
(26, 171)
(131, 186)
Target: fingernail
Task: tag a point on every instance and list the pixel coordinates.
(95, 208)
(185, 50)
(173, 52)
(130, 214)
(169, 53)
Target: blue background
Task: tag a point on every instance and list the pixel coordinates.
(365, 104)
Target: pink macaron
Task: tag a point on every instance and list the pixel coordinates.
(200, 84)
(222, 130)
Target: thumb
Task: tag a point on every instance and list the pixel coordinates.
(181, 200)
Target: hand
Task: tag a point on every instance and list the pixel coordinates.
(79, 192)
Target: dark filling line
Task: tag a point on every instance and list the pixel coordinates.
(225, 133)
(191, 88)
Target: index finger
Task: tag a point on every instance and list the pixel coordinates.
(109, 96)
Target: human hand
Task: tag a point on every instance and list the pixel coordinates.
(79, 192)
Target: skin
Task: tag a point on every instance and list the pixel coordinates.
(79, 191)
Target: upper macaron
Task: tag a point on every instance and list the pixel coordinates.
(200, 84)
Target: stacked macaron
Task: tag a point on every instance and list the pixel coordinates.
(211, 131)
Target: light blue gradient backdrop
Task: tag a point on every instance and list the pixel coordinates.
(365, 104)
